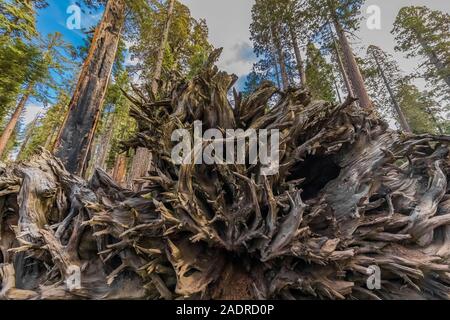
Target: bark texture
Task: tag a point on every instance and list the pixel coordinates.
(75, 137)
(354, 72)
(140, 167)
(350, 195)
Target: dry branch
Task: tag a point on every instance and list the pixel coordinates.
(350, 194)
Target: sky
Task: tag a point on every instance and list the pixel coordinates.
(229, 21)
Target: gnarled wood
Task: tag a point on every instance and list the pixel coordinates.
(350, 194)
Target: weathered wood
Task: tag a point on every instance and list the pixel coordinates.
(350, 195)
(75, 137)
(120, 169)
(140, 167)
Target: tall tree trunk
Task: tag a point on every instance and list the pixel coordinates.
(401, 117)
(50, 143)
(9, 129)
(162, 46)
(101, 147)
(50, 138)
(76, 135)
(140, 166)
(354, 73)
(298, 56)
(280, 55)
(340, 63)
(105, 146)
(120, 169)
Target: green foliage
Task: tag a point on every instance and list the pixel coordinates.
(187, 47)
(425, 33)
(55, 69)
(319, 74)
(270, 34)
(17, 61)
(18, 18)
(420, 108)
(46, 130)
(376, 87)
(252, 83)
(18, 57)
(11, 145)
(118, 107)
(317, 14)
(415, 109)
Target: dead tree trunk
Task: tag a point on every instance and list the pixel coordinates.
(163, 44)
(9, 129)
(75, 137)
(401, 116)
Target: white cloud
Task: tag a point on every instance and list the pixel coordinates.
(30, 113)
(229, 22)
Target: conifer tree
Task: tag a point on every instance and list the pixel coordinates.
(425, 33)
(318, 73)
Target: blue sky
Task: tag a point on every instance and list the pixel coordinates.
(53, 19)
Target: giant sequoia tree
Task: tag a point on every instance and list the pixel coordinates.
(350, 195)
(75, 138)
(345, 17)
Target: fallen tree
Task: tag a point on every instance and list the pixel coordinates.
(351, 195)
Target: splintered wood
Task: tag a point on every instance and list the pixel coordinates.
(352, 200)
